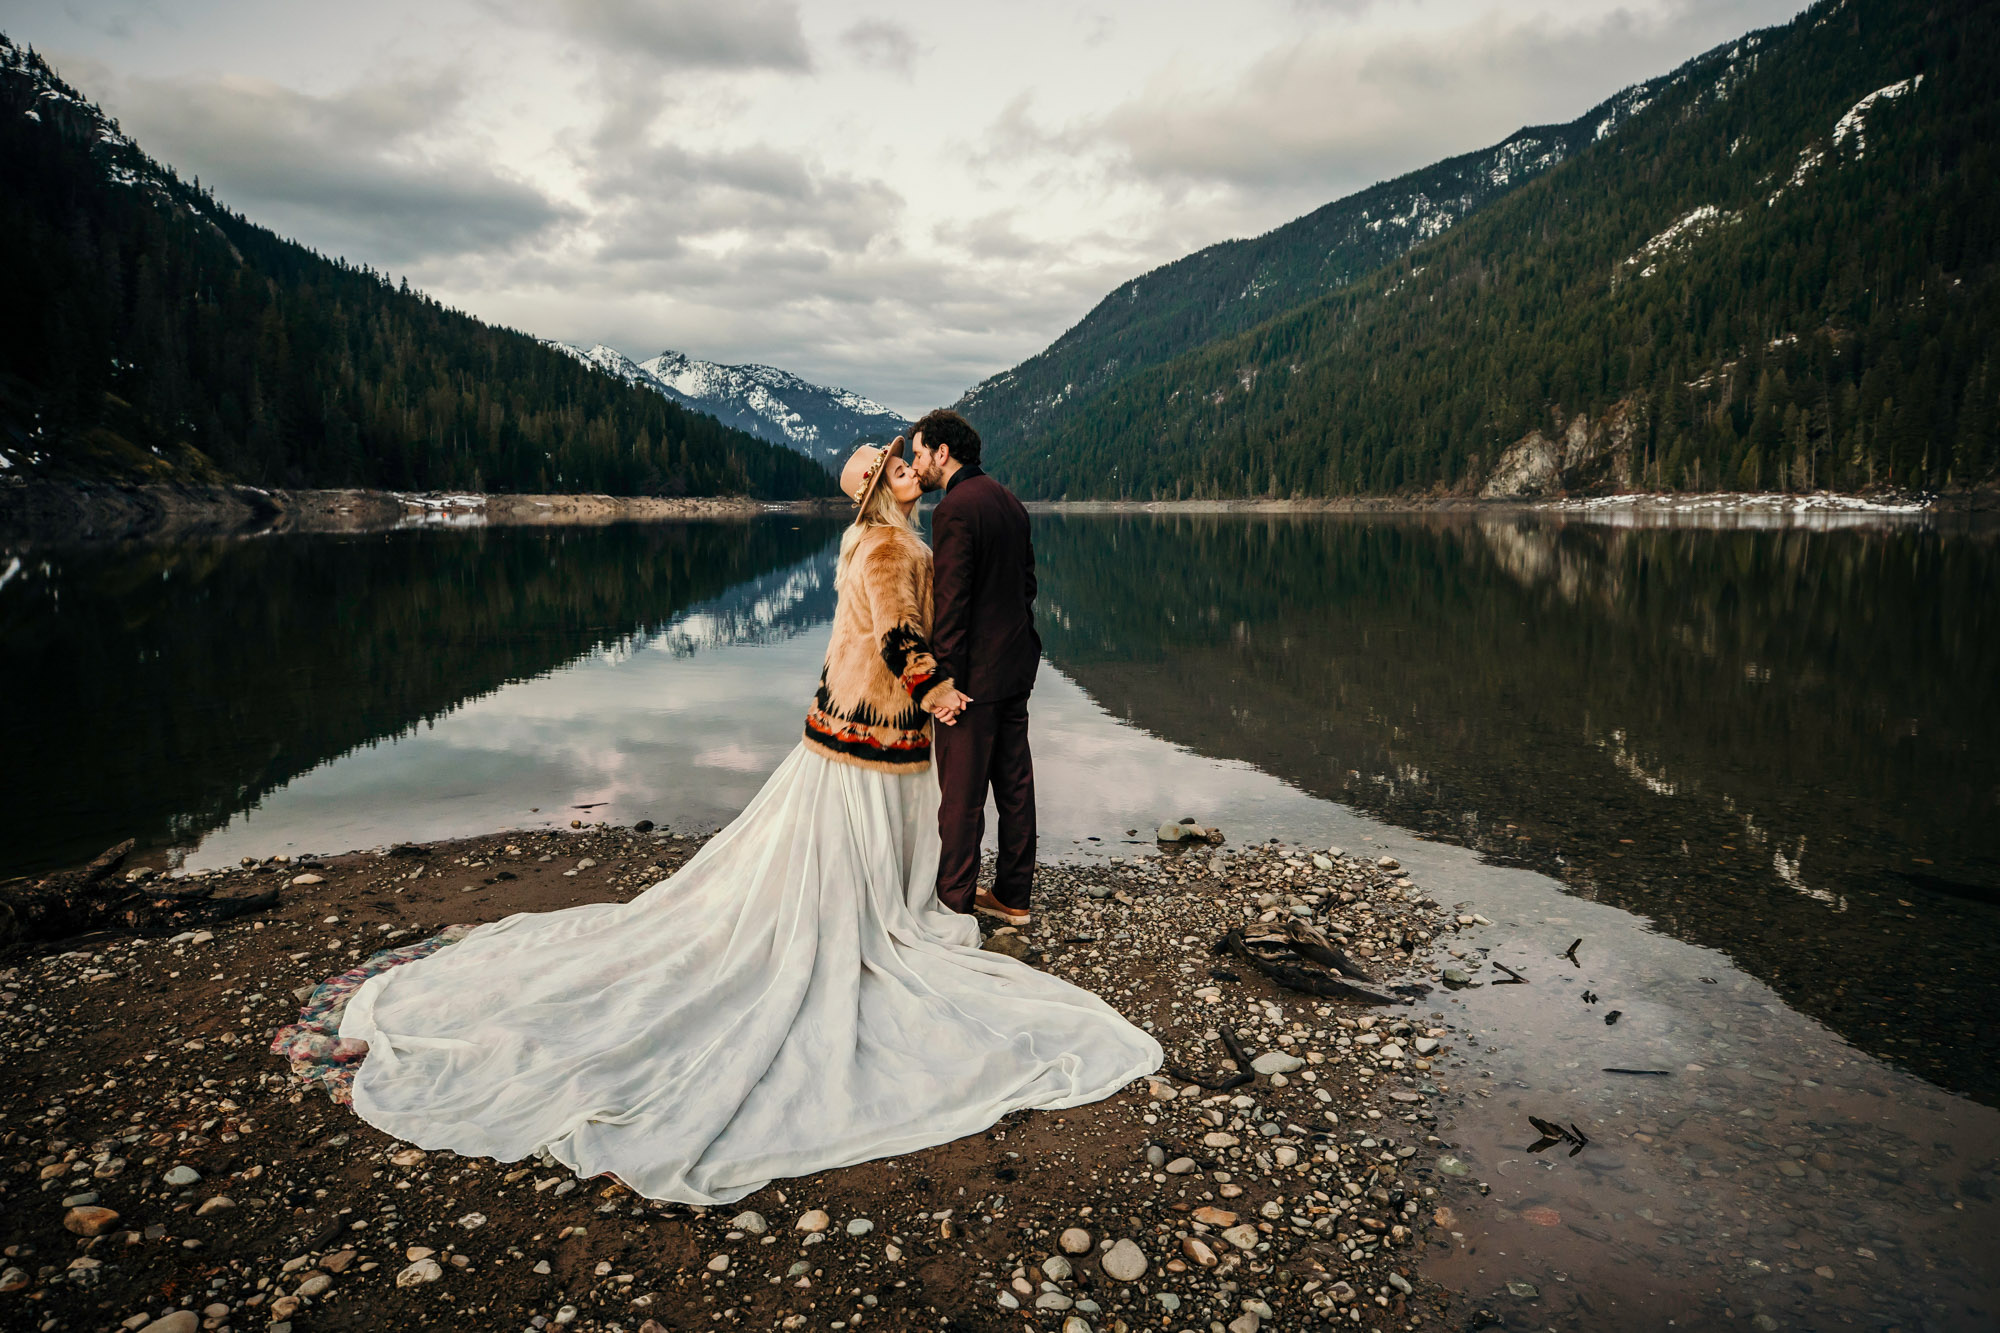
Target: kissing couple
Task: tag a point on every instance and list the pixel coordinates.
(808, 991)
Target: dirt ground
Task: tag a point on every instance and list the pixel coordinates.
(229, 1196)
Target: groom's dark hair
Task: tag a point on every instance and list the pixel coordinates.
(942, 426)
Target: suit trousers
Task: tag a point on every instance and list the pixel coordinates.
(988, 746)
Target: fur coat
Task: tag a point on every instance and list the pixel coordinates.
(879, 668)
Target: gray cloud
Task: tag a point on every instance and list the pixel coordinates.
(878, 42)
(340, 172)
(734, 208)
(1343, 114)
(693, 34)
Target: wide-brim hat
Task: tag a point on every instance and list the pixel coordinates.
(865, 468)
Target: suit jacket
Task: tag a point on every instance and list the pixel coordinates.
(983, 628)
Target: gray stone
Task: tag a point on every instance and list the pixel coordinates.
(180, 1321)
(80, 1200)
(1525, 1290)
(1124, 1262)
(181, 1175)
(860, 1226)
(751, 1222)
(1053, 1300)
(1056, 1268)
(1277, 1062)
(420, 1272)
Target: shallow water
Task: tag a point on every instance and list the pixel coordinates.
(1761, 756)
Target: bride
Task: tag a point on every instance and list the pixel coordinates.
(794, 999)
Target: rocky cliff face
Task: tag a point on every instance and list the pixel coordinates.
(1581, 455)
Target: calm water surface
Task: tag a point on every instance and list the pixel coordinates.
(1752, 769)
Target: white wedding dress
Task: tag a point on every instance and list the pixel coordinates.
(794, 999)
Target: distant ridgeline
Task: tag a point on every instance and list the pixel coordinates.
(153, 335)
(820, 422)
(1773, 268)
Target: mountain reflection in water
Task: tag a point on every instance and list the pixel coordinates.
(156, 691)
(1775, 743)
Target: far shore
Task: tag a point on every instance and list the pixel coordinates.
(56, 512)
(53, 512)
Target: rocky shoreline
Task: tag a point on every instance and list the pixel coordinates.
(48, 512)
(1657, 505)
(162, 1170)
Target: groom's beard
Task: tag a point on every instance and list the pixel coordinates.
(932, 480)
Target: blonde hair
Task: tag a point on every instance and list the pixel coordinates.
(882, 511)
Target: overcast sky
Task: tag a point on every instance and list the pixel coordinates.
(898, 198)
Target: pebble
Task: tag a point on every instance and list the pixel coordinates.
(472, 1221)
(221, 1203)
(1074, 1240)
(751, 1222)
(1180, 1166)
(1525, 1290)
(314, 1285)
(860, 1226)
(1217, 1138)
(80, 1200)
(1247, 1322)
(1243, 1237)
(719, 1264)
(1277, 1062)
(420, 1272)
(1198, 1252)
(1124, 1262)
(1056, 1268)
(814, 1220)
(1053, 1300)
(1215, 1217)
(89, 1221)
(1076, 1324)
(182, 1175)
(180, 1321)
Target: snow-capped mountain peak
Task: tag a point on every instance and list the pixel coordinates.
(820, 422)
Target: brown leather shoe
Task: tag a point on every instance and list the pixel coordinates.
(985, 902)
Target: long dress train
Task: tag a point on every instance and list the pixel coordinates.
(793, 999)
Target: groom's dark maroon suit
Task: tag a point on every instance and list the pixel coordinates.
(983, 636)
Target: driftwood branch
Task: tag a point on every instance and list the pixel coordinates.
(89, 901)
(1296, 978)
(1309, 942)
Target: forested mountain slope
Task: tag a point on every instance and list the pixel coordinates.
(1783, 275)
(151, 334)
(1235, 285)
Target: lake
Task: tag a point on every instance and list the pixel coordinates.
(1751, 766)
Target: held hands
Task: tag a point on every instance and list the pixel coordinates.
(946, 704)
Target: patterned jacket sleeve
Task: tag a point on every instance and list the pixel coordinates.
(899, 621)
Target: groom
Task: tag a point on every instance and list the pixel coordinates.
(983, 636)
